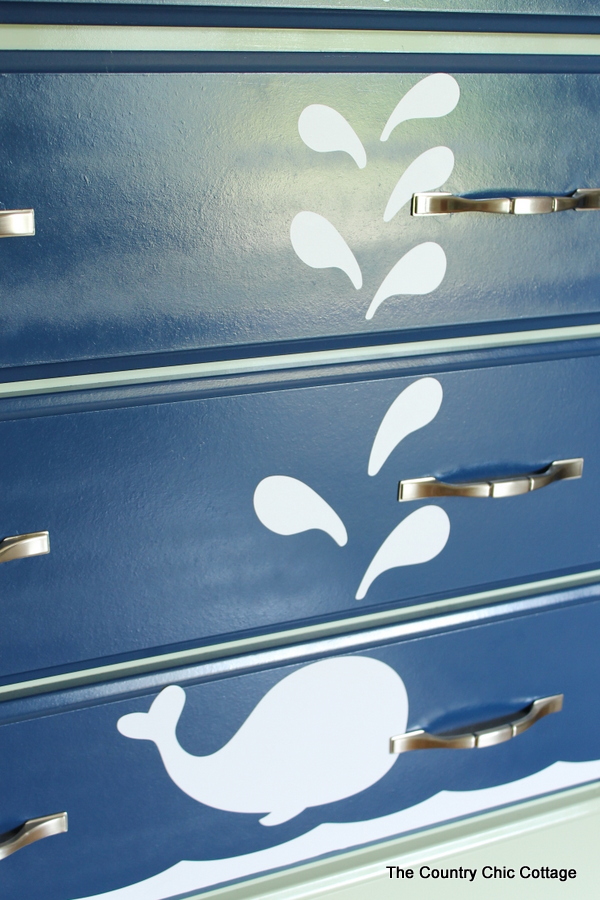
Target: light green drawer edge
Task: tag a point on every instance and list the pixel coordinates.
(289, 361)
(279, 639)
(288, 40)
(560, 830)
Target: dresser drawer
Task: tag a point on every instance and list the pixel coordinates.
(189, 521)
(185, 211)
(252, 763)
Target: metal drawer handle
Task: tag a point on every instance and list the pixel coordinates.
(31, 831)
(481, 736)
(442, 204)
(423, 488)
(23, 545)
(17, 222)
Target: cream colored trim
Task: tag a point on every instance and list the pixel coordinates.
(288, 40)
(295, 361)
(524, 829)
(292, 636)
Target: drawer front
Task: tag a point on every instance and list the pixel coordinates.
(185, 211)
(193, 520)
(246, 775)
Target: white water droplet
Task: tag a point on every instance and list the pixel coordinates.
(434, 96)
(415, 407)
(428, 171)
(320, 245)
(325, 130)
(289, 506)
(420, 271)
(417, 539)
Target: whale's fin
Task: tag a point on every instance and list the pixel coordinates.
(160, 720)
(278, 816)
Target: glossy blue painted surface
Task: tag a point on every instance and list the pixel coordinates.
(164, 202)
(128, 820)
(154, 537)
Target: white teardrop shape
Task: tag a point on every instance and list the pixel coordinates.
(428, 171)
(320, 245)
(434, 96)
(288, 506)
(420, 271)
(417, 539)
(325, 129)
(319, 735)
(414, 408)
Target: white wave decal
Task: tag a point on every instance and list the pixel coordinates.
(430, 98)
(428, 171)
(319, 735)
(415, 407)
(420, 271)
(417, 539)
(319, 244)
(187, 876)
(289, 506)
(326, 130)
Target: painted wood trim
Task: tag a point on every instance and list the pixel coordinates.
(348, 633)
(289, 40)
(282, 362)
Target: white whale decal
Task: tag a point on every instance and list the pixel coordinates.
(319, 735)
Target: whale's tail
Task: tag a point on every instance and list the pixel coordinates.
(160, 720)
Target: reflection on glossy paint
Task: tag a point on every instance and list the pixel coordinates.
(434, 96)
(289, 506)
(415, 407)
(319, 735)
(325, 130)
(420, 271)
(417, 539)
(319, 244)
(428, 171)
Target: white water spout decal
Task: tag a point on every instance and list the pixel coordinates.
(417, 539)
(434, 96)
(325, 130)
(420, 271)
(289, 506)
(321, 734)
(428, 171)
(319, 244)
(415, 407)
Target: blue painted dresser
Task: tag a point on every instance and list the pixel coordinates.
(300, 425)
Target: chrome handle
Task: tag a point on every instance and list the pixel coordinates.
(423, 488)
(31, 831)
(17, 222)
(480, 736)
(442, 204)
(23, 545)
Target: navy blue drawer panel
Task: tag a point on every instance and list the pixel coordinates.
(216, 780)
(185, 211)
(189, 521)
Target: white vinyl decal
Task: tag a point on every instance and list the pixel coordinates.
(288, 506)
(428, 171)
(434, 96)
(194, 875)
(420, 271)
(415, 407)
(325, 130)
(417, 539)
(319, 244)
(319, 735)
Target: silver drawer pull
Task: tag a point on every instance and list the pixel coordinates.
(480, 736)
(423, 488)
(17, 222)
(442, 204)
(31, 831)
(23, 545)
